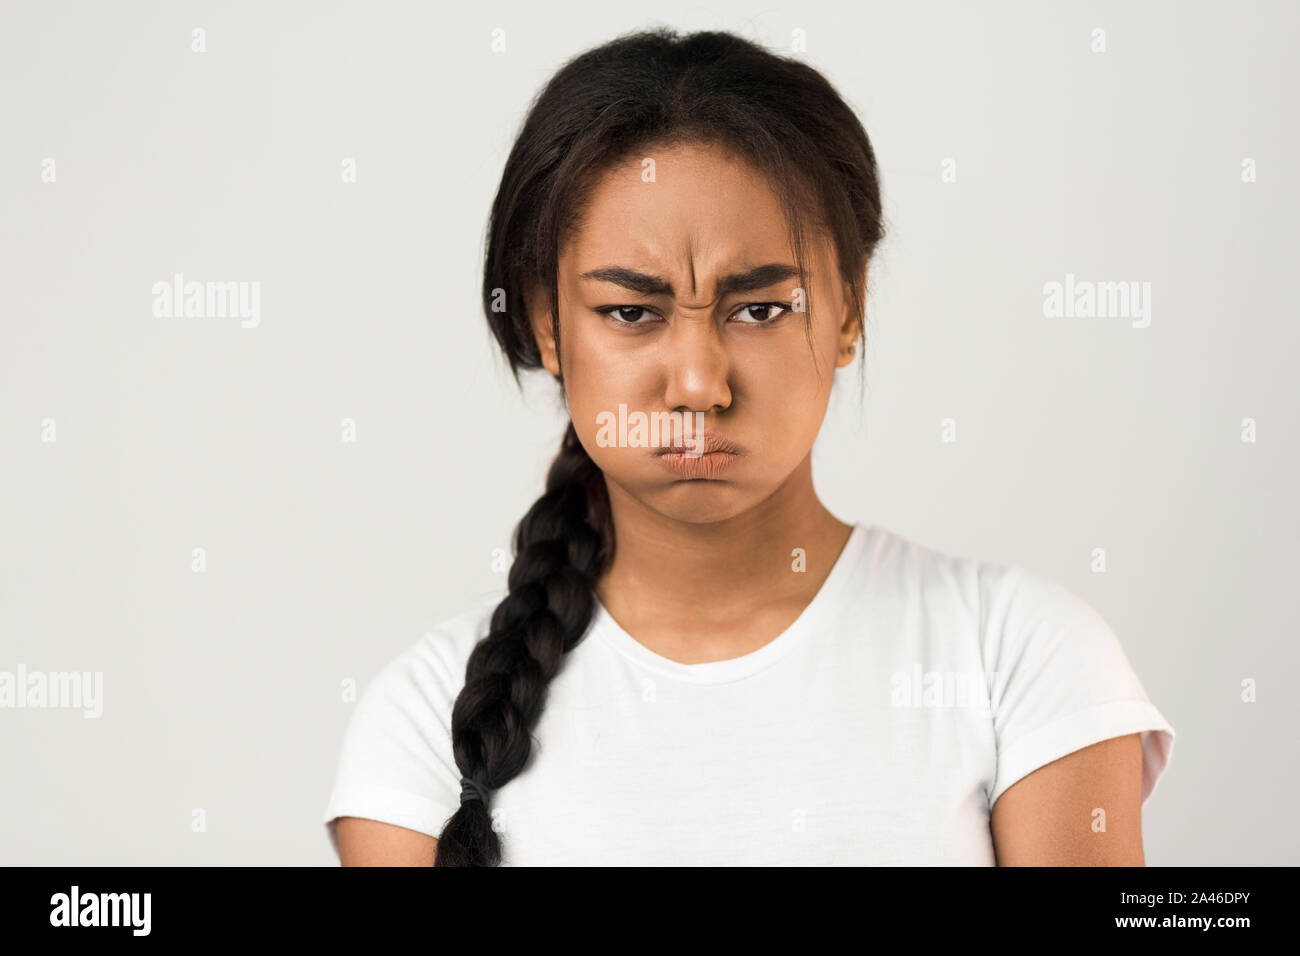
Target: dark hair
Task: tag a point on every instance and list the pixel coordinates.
(652, 88)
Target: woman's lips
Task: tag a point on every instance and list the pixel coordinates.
(708, 456)
(709, 465)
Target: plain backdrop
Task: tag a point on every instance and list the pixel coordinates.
(223, 690)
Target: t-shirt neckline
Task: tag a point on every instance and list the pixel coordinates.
(718, 672)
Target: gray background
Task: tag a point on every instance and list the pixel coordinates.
(326, 558)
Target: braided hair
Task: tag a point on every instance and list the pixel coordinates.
(650, 88)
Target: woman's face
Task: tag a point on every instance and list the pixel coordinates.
(679, 295)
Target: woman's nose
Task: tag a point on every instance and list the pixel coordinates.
(697, 366)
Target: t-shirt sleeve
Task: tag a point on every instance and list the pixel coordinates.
(1060, 681)
(396, 762)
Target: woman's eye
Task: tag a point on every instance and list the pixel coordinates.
(760, 313)
(626, 314)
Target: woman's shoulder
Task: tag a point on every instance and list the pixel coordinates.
(442, 651)
(1001, 594)
(396, 763)
(412, 693)
(1058, 676)
(903, 559)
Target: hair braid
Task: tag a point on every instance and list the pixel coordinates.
(561, 546)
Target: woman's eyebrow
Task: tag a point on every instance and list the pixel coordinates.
(759, 277)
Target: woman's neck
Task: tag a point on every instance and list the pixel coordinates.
(715, 590)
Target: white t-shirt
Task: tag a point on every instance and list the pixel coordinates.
(879, 728)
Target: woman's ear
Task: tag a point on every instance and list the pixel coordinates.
(542, 322)
(848, 350)
(850, 327)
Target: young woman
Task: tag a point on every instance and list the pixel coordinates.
(696, 662)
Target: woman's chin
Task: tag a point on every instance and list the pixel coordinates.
(698, 502)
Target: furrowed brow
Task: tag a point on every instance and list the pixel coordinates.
(757, 278)
(631, 279)
(750, 280)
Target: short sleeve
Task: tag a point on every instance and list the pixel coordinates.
(396, 762)
(1060, 680)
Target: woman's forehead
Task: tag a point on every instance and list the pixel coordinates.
(684, 213)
